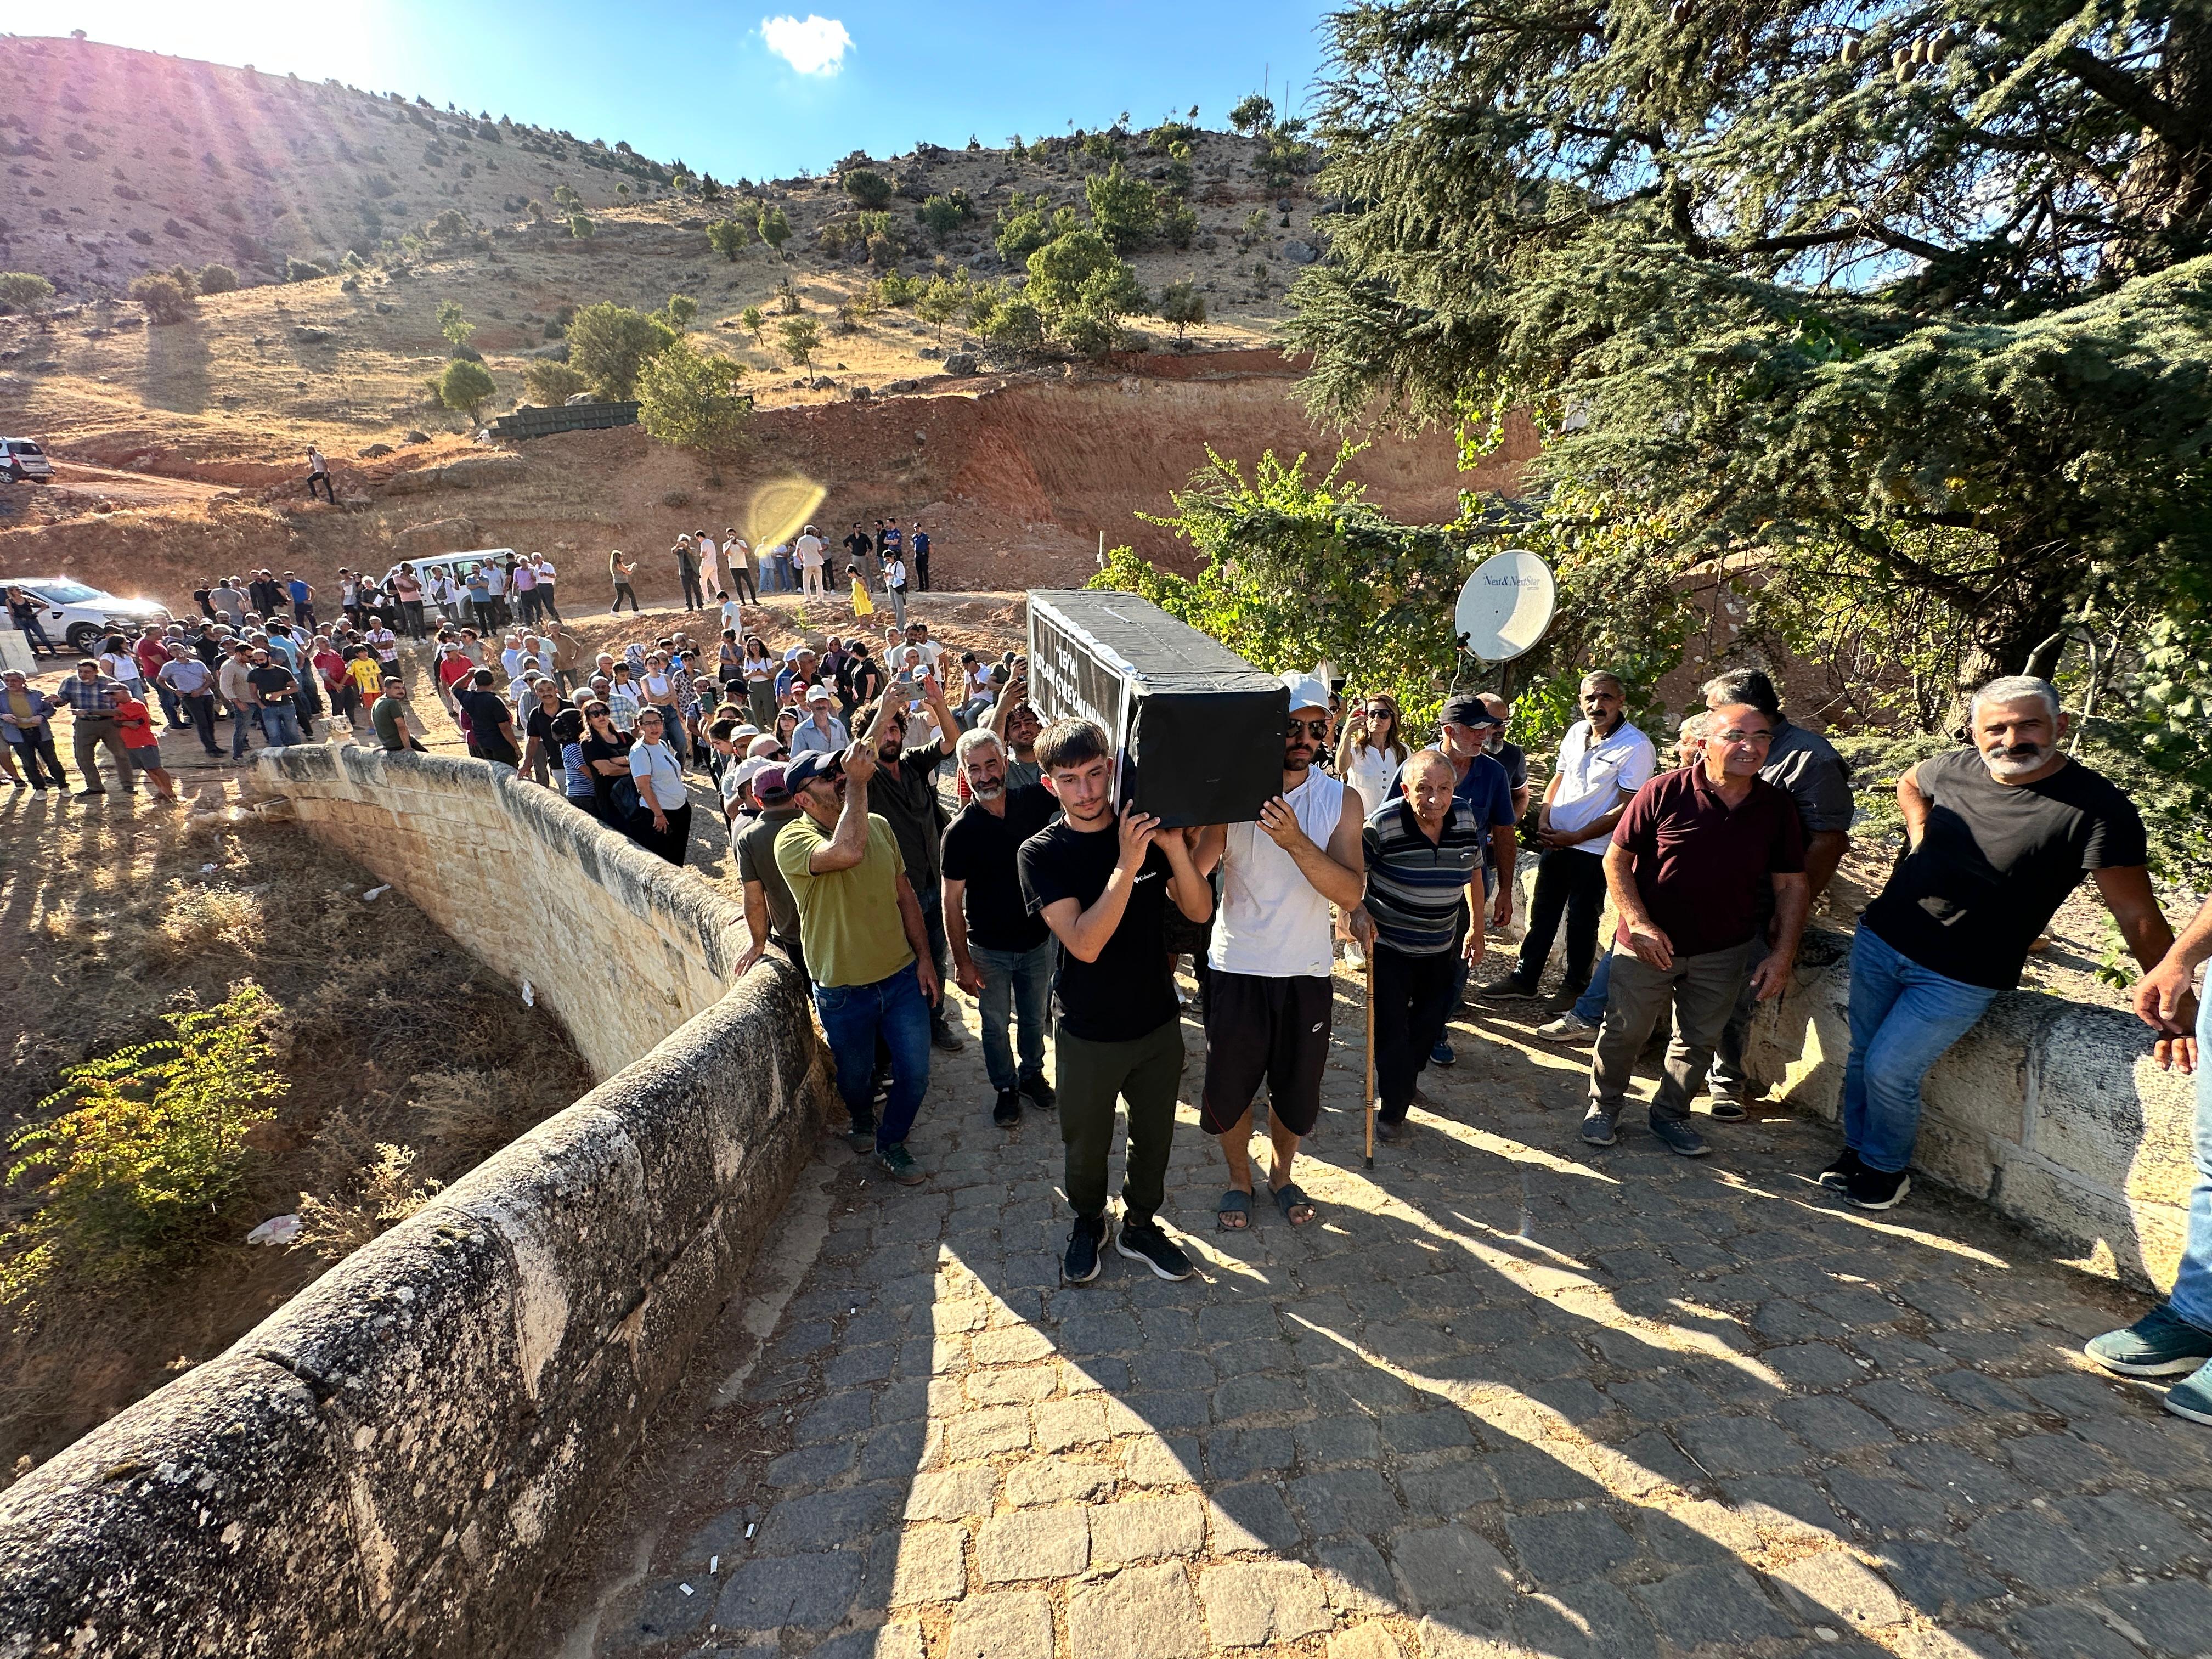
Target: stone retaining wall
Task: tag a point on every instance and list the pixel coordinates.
(396, 1460)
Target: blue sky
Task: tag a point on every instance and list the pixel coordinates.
(701, 80)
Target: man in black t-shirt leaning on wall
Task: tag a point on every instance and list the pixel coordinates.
(1996, 837)
(1102, 886)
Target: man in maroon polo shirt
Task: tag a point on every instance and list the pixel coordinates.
(1687, 859)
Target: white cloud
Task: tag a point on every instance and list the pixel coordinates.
(812, 45)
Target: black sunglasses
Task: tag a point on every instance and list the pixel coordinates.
(1319, 728)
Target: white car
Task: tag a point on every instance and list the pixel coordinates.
(22, 461)
(83, 617)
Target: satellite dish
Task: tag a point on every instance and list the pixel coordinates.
(1506, 606)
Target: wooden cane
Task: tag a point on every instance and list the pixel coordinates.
(1370, 1055)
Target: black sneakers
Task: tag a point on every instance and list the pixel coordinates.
(1040, 1093)
(1143, 1241)
(1847, 1165)
(1876, 1189)
(1007, 1112)
(1080, 1265)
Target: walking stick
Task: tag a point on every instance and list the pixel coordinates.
(1370, 1056)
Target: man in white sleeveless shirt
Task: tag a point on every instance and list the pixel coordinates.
(1268, 999)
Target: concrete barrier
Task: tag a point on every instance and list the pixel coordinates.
(2053, 1112)
(396, 1460)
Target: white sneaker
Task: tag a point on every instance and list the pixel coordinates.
(1570, 1027)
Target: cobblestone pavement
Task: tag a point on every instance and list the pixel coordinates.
(1506, 1396)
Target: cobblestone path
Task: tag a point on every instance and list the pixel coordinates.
(1507, 1396)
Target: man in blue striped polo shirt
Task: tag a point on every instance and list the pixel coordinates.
(1423, 851)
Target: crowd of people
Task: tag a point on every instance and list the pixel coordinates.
(892, 561)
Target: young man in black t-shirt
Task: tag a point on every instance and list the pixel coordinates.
(1102, 886)
(1001, 954)
(491, 726)
(1996, 837)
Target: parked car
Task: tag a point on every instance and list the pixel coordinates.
(85, 615)
(25, 462)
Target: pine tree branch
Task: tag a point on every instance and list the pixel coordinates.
(2126, 93)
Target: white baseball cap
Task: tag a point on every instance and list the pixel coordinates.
(819, 694)
(1307, 691)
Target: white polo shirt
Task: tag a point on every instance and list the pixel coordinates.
(1595, 775)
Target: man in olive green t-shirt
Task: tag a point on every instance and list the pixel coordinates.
(866, 943)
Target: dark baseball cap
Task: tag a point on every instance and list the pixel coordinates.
(1465, 710)
(771, 782)
(816, 763)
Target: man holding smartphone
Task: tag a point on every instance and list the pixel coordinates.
(904, 793)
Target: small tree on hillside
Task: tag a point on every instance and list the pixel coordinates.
(166, 300)
(689, 398)
(786, 297)
(1253, 114)
(946, 214)
(1125, 210)
(774, 227)
(217, 279)
(1182, 304)
(466, 387)
(800, 338)
(681, 309)
(608, 344)
(728, 238)
(754, 322)
(868, 188)
(551, 383)
(452, 325)
(580, 227)
(565, 197)
(938, 304)
(25, 291)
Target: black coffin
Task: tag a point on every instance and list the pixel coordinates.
(1197, 729)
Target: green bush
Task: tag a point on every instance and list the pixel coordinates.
(1179, 224)
(867, 187)
(550, 383)
(942, 214)
(25, 291)
(752, 317)
(217, 279)
(166, 300)
(580, 227)
(680, 310)
(1014, 325)
(728, 237)
(799, 339)
(607, 343)
(303, 270)
(1180, 304)
(466, 387)
(1253, 114)
(1025, 227)
(1124, 210)
(774, 227)
(145, 1152)
(452, 325)
(689, 398)
(1080, 269)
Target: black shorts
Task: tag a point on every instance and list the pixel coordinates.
(1261, 1028)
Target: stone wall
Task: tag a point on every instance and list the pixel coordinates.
(396, 1460)
(2051, 1111)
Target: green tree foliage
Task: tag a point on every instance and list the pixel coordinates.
(166, 300)
(679, 312)
(799, 339)
(1294, 569)
(1123, 209)
(551, 383)
(729, 238)
(1026, 226)
(144, 1151)
(1180, 304)
(25, 291)
(774, 227)
(455, 326)
(1082, 290)
(1014, 325)
(689, 398)
(1252, 114)
(217, 279)
(981, 303)
(1818, 280)
(608, 344)
(303, 270)
(581, 227)
(466, 387)
(942, 214)
(939, 303)
(563, 197)
(868, 188)
(1284, 155)
(1179, 225)
(752, 317)
(451, 226)
(1162, 139)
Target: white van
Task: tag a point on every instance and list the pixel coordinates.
(23, 462)
(83, 617)
(456, 565)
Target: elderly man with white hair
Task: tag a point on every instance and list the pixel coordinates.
(1996, 837)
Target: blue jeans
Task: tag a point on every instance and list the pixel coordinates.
(1903, 1018)
(779, 574)
(854, 1017)
(1017, 985)
(244, 717)
(1590, 1005)
(2192, 1284)
(280, 725)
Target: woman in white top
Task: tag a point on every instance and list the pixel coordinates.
(1371, 751)
(118, 663)
(759, 668)
(895, 584)
(656, 689)
(662, 825)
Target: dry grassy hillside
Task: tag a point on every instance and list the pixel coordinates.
(122, 162)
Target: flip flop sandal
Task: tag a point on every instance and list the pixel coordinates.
(1290, 1197)
(1233, 1202)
